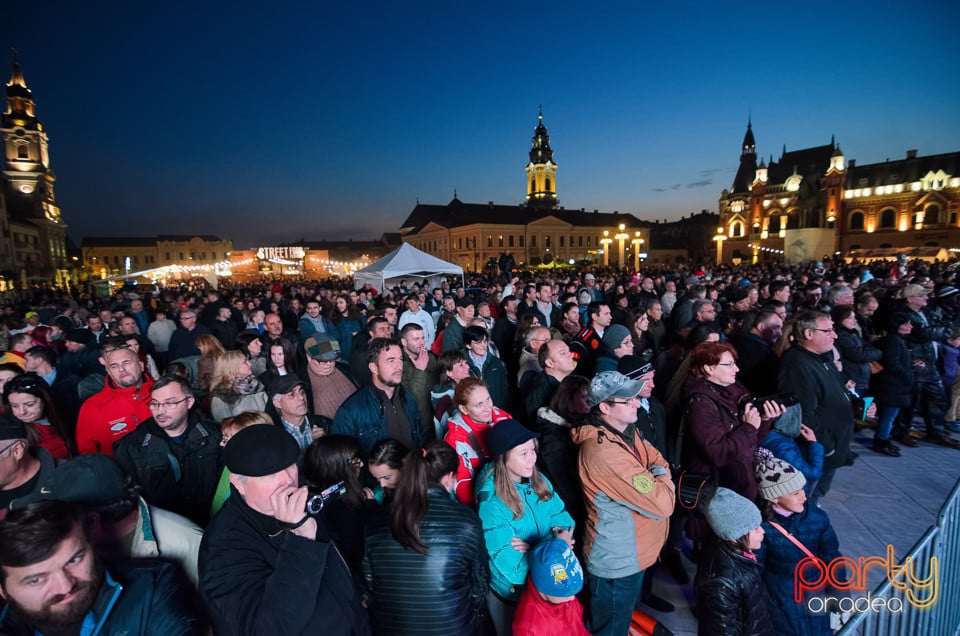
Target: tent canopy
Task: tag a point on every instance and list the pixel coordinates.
(404, 263)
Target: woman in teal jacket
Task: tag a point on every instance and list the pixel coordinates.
(518, 509)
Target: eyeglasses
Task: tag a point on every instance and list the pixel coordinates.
(164, 406)
(726, 364)
(830, 330)
(633, 400)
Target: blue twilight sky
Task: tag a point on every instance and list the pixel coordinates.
(270, 121)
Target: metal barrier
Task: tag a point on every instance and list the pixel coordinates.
(943, 617)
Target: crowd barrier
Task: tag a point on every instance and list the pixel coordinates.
(942, 618)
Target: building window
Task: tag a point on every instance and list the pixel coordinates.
(166, 256)
(533, 240)
(888, 219)
(856, 221)
(774, 225)
(510, 240)
(546, 241)
(547, 188)
(520, 239)
(736, 230)
(213, 255)
(931, 216)
(561, 240)
(23, 152)
(489, 241)
(579, 241)
(460, 243)
(136, 260)
(193, 256)
(571, 240)
(500, 241)
(588, 241)
(181, 256)
(953, 217)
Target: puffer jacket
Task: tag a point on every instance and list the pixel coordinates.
(143, 596)
(629, 498)
(731, 597)
(180, 477)
(111, 414)
(778, 558)
(441, 592)
(508, 567)
(715, 440)
(469, 440)
(361, 416)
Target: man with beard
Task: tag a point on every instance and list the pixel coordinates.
(122, 404)
(54, 584)
(419, 368)
(173, 456)
(756, 359)
(383, 408)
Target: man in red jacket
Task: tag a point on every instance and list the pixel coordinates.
(122, 404)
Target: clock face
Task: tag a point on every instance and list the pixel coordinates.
(26, 189)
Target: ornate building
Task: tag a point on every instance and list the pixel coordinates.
(33, 244)
(470, 234)
(809, 204)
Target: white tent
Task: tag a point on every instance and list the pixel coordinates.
(405, 263)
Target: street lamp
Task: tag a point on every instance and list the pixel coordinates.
(636, 242)
(606, 241)
(621, 236)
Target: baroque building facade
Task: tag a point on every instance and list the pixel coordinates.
(537, 231)
(33, 241)
(811, 204)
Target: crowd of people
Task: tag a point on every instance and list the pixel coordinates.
(510, 454)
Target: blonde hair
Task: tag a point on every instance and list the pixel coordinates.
(244, 419)
(225, 369)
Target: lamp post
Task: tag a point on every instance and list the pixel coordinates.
(621, 237)
(606, 241)
(636, 242)
(720, 237)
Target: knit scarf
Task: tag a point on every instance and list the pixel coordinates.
(247, 386)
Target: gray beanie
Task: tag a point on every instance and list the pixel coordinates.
(775, 476)
(614, 336)
(730, 515)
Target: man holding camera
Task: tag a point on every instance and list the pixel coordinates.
(266, 566)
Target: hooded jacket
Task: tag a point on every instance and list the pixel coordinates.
(112, 414)
(629, 498)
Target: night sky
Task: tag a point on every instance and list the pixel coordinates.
(271, 121)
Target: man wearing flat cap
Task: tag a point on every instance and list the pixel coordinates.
(629, 497)
(288, 394)
(266, 567)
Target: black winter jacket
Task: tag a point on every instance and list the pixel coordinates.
(185, 487)
(558, 461)
(258, 578)
(731, 596)
(823, 398)
(856, 355)
(894, 385)
(441, 592)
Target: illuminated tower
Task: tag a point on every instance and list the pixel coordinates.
(28, 185)
(541, 171)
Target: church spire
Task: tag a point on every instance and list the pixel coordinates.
(20, 106)
(749, 145)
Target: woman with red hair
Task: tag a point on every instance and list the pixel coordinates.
(721, 428)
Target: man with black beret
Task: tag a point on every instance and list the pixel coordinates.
(266, 566)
